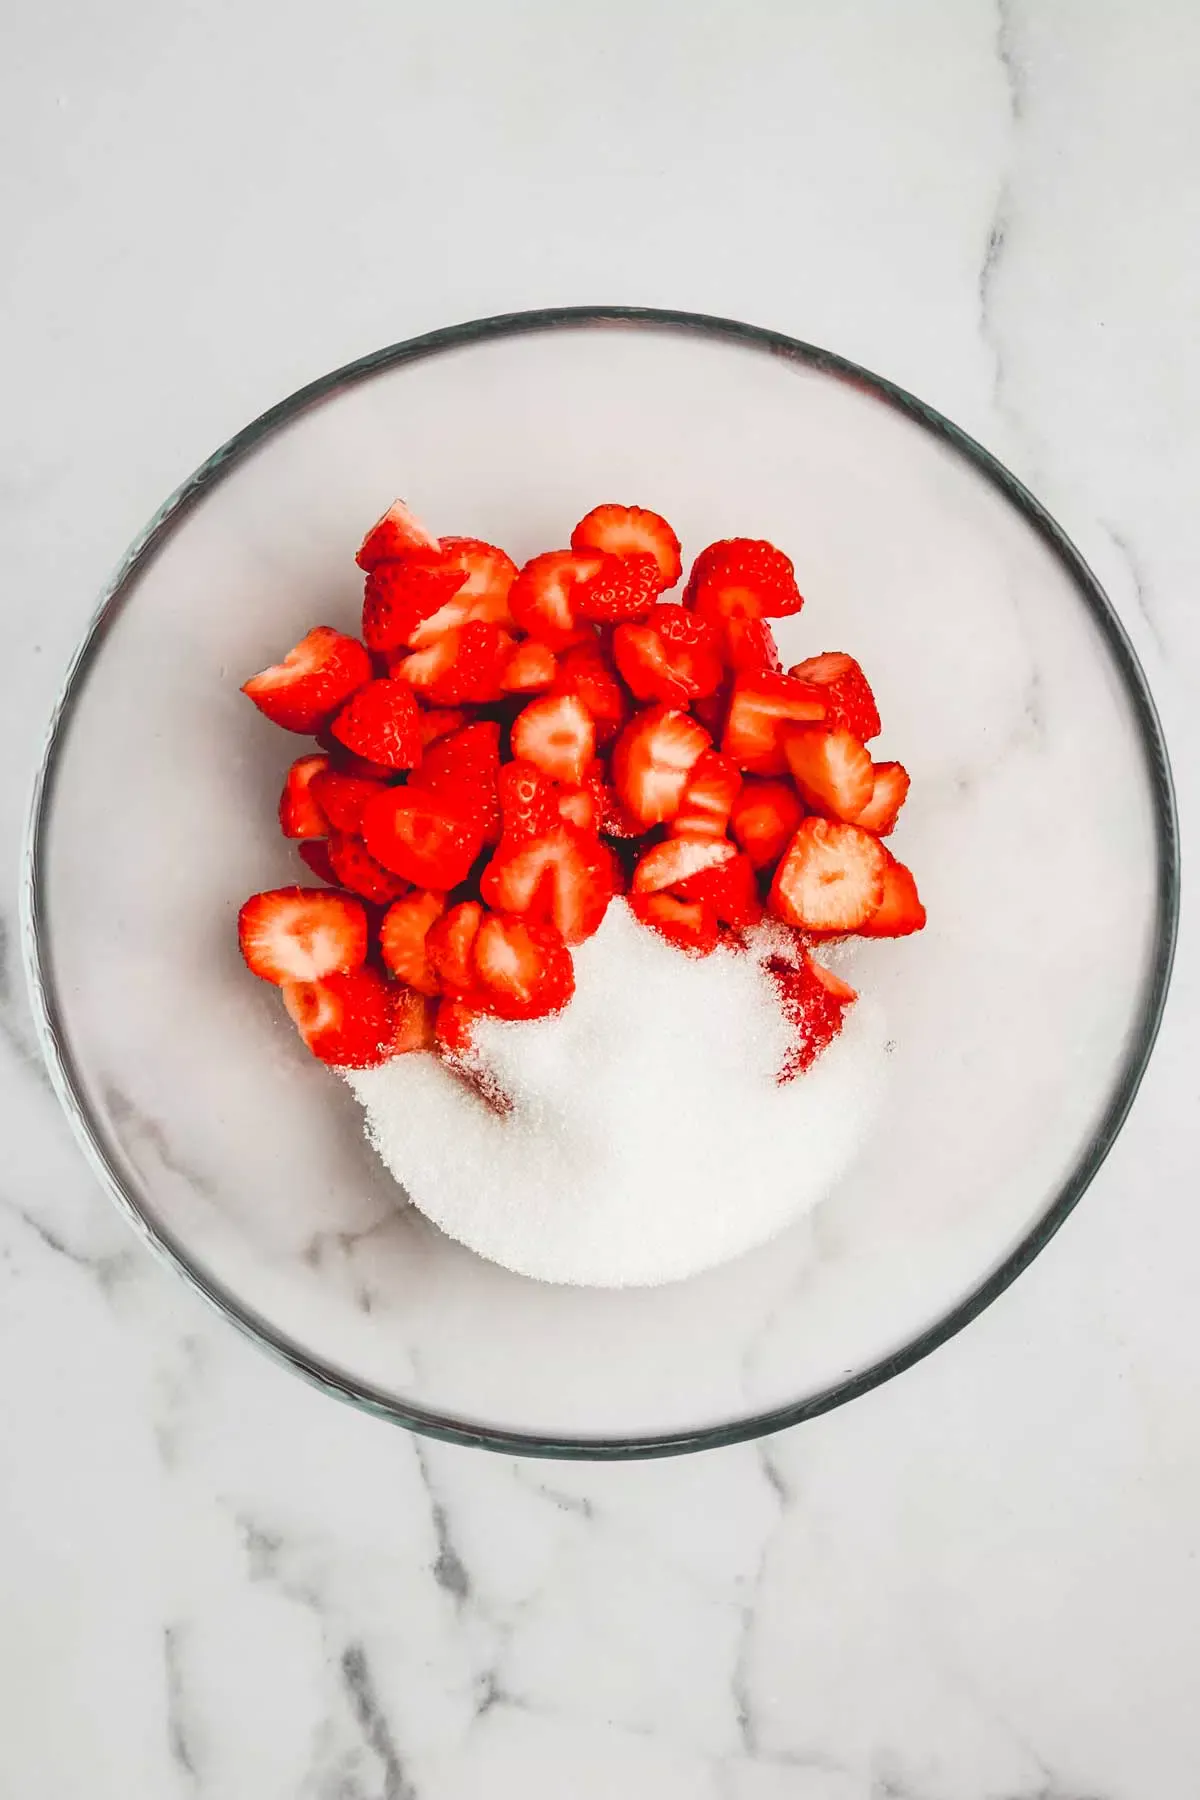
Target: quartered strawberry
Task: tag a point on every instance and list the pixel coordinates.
(415, 1015)
(380, 722)
(900, 911)
(543, 596)
(464, 666)
(672, 655)
(528, 802)
(437, 722)
(556, 734)
(342, 797)
(729, 890)
(414, 837)
(398, 532)
(314, 679)
(830, 878)
(708, 799)
(676, 859)
(653, 761)
(301, 934)
(402, 938)
(849, 702)
(760, 707)
(530, 669)
(400, 596)
(523, 969)
(483, 595)
(814, 1001)
(449, 944)
(750, 644)
(764, 819)
(888, 795)
(461, 772)
(300, 812)
(688, 924)
(565, 876)
(314, 853)
(624, 587)
(831, 769)
(628, 530)
(348, 1021)
(585, 671)
(358, 870)
(743, 578)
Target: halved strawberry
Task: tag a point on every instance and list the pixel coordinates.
(400, 596)
(438, 722)
(402, 938)
(688, 924)
(750, 644)
(414, 1022)
(464, 666)
(832, 770)
(346, 1020)
(653, 761)
(624, 587)
(728, 889)
(483, 595)
(584, 670)
(849, 702)
(831, 877)
(814, 1001)
(672, 655)
(628, 530)
(577, 805)
(528, 802)
(565, 876)
(300, 812)
(342, 797)
(380, 722)
(900, 911)
(462, 772)
(712, 788)
(414, 837)
(449, 944)
(556, 734)
(672, 862)
(542, 600)
(764, 819)
(314, 853)
(398, 532)
(522, 967)
(358, 870)
(888, 795)
(315, 677)
(760, 706)
(530, 669)
(743, 578)
(301, 934)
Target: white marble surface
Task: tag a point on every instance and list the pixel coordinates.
(983, 1581)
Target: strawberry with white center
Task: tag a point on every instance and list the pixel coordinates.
(888, 793)
(449, 945)
(585, 671)
(523, 969)
(671, 655)
(482, 595)
(653, 761)
(631, 531)
(300, 811)
(830, 878)
(688, 924)
(671, 863)
(531, 668)
(463, 667)
(393, 536)
(556, 734)
(400, 596)
(348, 1021)
(403, 934)
(314, 679)
(729, 890)
(849, 702)
(900, 911)
(832, 771)
(414, 1022)
(380, 723)
(564, 876)
(708, 799)
(302, 934)
(761, 706)
(544, 595)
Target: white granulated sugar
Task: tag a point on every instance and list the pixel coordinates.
(648, 1138)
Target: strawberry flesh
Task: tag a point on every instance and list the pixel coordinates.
(832, 771)
(523, 969)
(300, 812)
(672, 655)
(688, 924)
(302, 934)
(764, 819)
(557, 734)
(889, 791)
(347, 1020)
(564, 877)
(653, 761)
(544, 595)
(393, 536)
(413, 836)
(761, 706)
(900, 911)
(358, 870)
(402, 938)
(849, 702)
(315, 678)
(830, 878)
(629, 531)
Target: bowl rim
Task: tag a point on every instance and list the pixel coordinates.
(56, 1049)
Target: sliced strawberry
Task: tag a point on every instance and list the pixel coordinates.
(565, 877)
(398, 532)
(831, 877)
(672, 655)
(900, 911)
(584, 671)
(489, 574)
(556, 734)
(624, 587)
(449, 944)
(749, 644)
(728, 889)
(400, 596)
(628, 531)
(301, 934)
(653, 761)
(380, 722)
(414, 1022)
(743, 578)
(358, 870)
(814, 1001)
(688, 924)
(530, 669)
(454, 1034)
(759, 709)
(314, 853)
(522, 967)
(764, 819)
(849, 702)
(464, 666)
(577, 805)
(312, 682)
(347, 1020)
(462, 773)
(414, 837)
(543, 596)
(402, 938)
(888, 795)
(300, 812)
(346, 763)
(712, 788)
(342, 797)
(438, 722)
(672, 862)
(832, 770)
(528, 802)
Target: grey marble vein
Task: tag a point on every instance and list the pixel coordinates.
(128, 1115)
(998, 230)
(108, 1269)
(449, 1570)
(1141, 592)
(372, 1722)
(14, 1029)
(178, 1734)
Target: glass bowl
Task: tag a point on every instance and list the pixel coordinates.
(1041, 823)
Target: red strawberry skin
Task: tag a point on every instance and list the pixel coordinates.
(380, 723)
(529, 805)
(358, 870)
(761, 706)
(630, 531)
(564, 878)
(900, 911)
(400, 596)
(728, 889)
(584, 671)
(314, 854)
(342, 797)
(624, 587)
(831, 769)
(314, 679)
(709, 798)
(412, 836)
(464, 667)
(544, 595)
(449, 946)
(672, 655)
(744, 578)
(765, 817)
(394, 535)
(523, 969)
(849, 702)
(302, 934)
(300, 811)
(462, 771)
(349, 1020)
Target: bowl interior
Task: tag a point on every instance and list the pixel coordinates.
(1031, 824)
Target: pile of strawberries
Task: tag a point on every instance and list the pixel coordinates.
(504, 751)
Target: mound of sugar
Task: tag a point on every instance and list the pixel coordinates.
(648, 1138)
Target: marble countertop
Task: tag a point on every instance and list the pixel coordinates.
(981, 1582)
